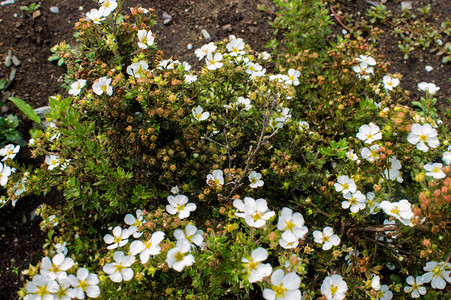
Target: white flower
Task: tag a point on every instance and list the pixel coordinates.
(429, 88)
(5, 173)
(254, 212)
(96, 15)
(370, 154)
(103, 86)
(420, 135)
(205, 50)
(75, 87)
(393, 172)
(175, 190)
(246, 102)
(352, 156)
(369, 133)
(345, 185)
(135, 223)
(57, 266)
(303, 126)
(265, 55)
(288, 240)
(199, 113)
(178, 257)
(191, 234)
(53, 161)
(120, 269)
(327, 238)
(293, 77)
(384, 293)
(118, 239)
(41, 287)
(214, 62)
(363, 70)
(65, 292)
(179, 205)
(108, 6)
(236, 47)
(415, 290)
(283, 286)
(136, 69)
(334, 287)
(147, 248)
(292, 222)
(85, 282)
(390, 83)
(447, 157)
(61, 248)
(254, 266)
(372, 203)
(376, 282)
(145, 39)
(434, 170)
(401, 210)
(280, 117)
(255, 179)
(216, 178)
(366, 59)
(190, 78)
(437, 274)
(354, 201)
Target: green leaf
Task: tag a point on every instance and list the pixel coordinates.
(26, 109)
(3, 83)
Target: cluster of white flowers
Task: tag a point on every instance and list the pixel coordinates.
(354, 199)
(245, 103)
(98, 15)
(280, 117)
(429, 88)
(293, 228)
(365, 68)
(291, 78)
(9, 152)
(53, 282)
(254, 212)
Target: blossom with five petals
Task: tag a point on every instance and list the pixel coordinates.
(254, 266)
(145, 39)
(120, 270)
(423, 136)
(369, 133)
(179, 257)
(147, 248)
(75, 87)
(334, 287)
(283, 286)
(85, 282)
(326, 237)
(179, 205)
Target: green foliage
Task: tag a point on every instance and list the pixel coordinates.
(26, 109)
(298, 33)
(31, 8)
(8, 131)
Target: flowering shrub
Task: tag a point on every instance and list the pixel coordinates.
(311, 181)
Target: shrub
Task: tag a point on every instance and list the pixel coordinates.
(173, 181)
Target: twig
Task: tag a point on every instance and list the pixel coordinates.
(338, 19)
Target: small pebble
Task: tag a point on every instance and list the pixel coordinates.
(81, 8)
(406, 5)
(3, 3)
(54, 9)
(15, 60)
(428, 68)
(8, 61)
(344, 32)
(189, 46)
(167, 18)
(206, 35)
(15, 15)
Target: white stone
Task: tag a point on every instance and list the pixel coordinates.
(54, 9)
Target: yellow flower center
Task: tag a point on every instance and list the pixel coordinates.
(290, 225)
(423, 138)
(395, 210)
(257, 216)
(333, 289)
(180, 207)
(42, 291)
(83, 284)
(280, 290)
(179, 256)
(345, 186)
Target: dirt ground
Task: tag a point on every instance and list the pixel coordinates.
(30, 39)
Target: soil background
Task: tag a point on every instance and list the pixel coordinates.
(36, 79)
